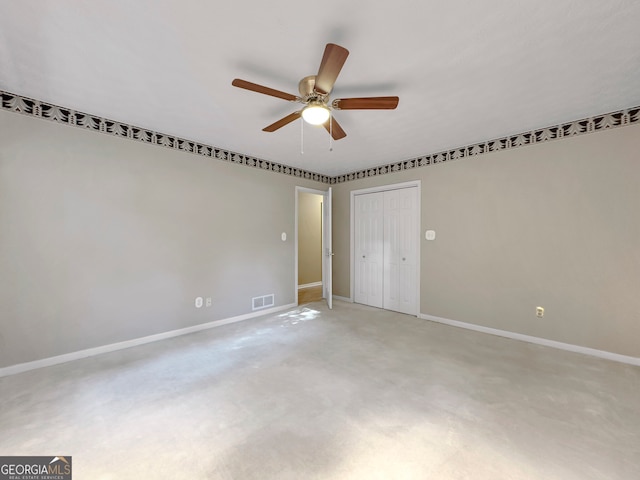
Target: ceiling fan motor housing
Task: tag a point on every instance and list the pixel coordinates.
(306, 87)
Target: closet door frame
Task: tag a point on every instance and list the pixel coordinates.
(384, 188)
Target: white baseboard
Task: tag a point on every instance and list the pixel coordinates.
(537, 340)
(90, 352)
(344, 299)
(309, 285)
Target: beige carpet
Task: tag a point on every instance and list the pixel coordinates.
(353, 393)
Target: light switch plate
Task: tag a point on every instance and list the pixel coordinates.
(430, 235)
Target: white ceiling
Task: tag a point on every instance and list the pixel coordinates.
(465, 71)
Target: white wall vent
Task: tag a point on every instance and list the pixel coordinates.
(263, 302)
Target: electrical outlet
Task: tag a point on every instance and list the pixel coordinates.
(208, 302)
(539, 312)
(198, 302)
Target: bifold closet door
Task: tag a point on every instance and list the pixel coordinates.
(400, 250)
(385, 249)
(368, 249)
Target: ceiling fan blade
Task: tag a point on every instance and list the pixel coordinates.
(367, 103)
(254, 87)
(334, 128)
(330, 66)
(282, 122)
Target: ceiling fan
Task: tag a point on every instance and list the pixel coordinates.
(314, 95)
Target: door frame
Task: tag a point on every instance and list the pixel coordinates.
(384, 188)
(322, 193)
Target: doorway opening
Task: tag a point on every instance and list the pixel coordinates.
(313, 246)
(309, 247)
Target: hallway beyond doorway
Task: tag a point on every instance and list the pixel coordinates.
(309, 294)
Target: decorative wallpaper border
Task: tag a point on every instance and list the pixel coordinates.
(616, 119)
(55, 113)
(47, 111)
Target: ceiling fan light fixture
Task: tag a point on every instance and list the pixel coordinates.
(316, 113)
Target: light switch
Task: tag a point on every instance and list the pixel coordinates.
(283, 236)
(430, 235)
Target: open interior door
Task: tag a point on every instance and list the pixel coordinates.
(327, 250)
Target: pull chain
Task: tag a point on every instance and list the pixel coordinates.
(302, 138)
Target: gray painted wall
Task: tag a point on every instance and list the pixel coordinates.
(553, 225)
(309, 238)
(104, 240)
